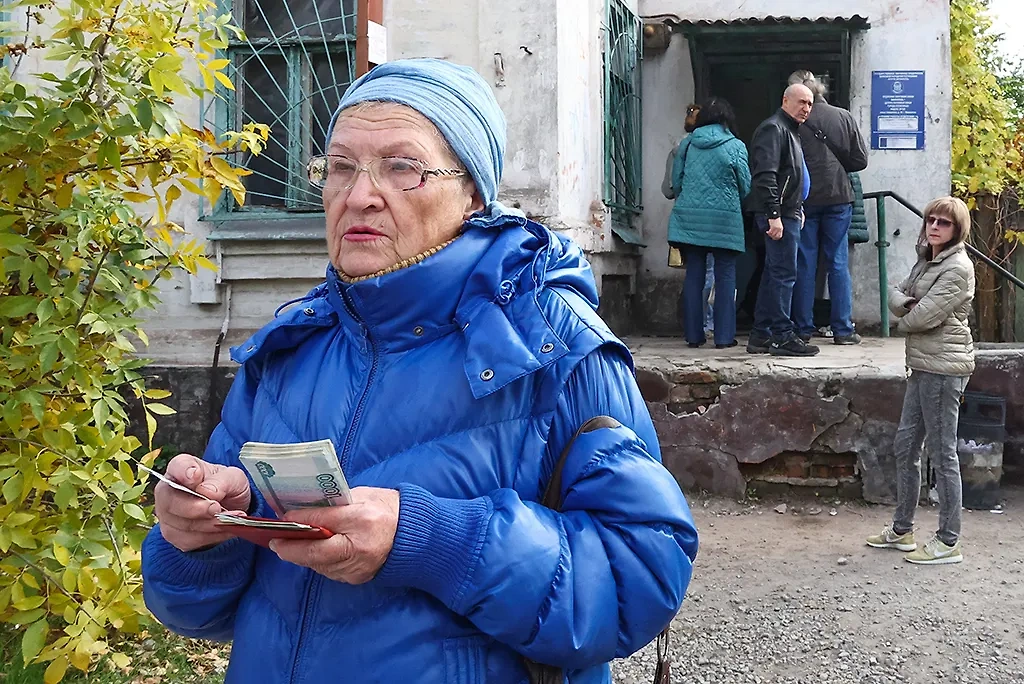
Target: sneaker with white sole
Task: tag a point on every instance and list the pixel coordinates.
(935, 553)
(890, 540)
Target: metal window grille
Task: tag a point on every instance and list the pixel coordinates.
(289, 72)
(622, 113)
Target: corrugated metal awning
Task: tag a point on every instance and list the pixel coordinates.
(855, 22)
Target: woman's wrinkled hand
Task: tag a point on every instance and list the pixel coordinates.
(187, 522)
(364, 532)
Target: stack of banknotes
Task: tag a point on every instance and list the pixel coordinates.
(302, 475)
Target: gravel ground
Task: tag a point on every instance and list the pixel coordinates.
(797, 598)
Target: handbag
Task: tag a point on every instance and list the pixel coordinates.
(540, 673)
(675, 254)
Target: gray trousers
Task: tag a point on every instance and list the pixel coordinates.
(931, 408)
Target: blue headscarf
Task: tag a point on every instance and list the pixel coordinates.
(456, 100)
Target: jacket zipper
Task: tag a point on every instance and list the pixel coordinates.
(313, 590)
(353, 426)
(782, 195)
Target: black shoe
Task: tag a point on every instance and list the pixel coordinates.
(794, 346)
(805, 338)
(852, 338)
(727, 346)
(758, 345)
(696, 345)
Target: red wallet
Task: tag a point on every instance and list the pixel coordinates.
(263, 530)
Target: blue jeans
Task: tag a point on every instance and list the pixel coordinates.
(709, 284)
(827, 227)
(725, 294)
(775, 294)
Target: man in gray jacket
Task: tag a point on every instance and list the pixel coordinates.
(833, 148)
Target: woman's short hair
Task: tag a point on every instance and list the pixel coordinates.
(952, 208)
(717, 110)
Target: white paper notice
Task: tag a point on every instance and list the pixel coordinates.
(377, 39)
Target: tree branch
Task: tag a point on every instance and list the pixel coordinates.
(101, 53)
(91, 286)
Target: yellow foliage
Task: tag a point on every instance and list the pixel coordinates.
(986, 155)
(90, 164)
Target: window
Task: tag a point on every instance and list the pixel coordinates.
(290, 72)
(622, 142)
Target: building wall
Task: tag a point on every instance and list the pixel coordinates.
(904, 35)
(543, 61)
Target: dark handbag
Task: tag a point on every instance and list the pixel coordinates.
(549, 674)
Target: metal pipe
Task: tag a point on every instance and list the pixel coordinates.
(211, 413)
(883, 271)
(880, 196)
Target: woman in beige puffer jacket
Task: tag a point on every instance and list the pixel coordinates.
(934, 303)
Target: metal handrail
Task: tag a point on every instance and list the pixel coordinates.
(882, 243)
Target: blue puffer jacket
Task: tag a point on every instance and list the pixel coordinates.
(457, 381)
(710, 178)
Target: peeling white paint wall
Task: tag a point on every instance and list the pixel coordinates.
(904, 35)
(543, 61)
(549, 81)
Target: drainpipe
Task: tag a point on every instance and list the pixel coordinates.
(211, 416)
(883, 271)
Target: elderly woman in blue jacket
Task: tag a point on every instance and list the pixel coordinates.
(451, 355)
(710, 178)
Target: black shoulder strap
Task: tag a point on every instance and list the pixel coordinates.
(540, 673)
(553, 492)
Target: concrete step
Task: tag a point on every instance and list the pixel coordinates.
(728, 420)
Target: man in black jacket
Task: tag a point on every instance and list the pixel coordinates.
(833, 147)
(780, 184)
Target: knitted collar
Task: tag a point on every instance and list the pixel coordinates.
(405, 263)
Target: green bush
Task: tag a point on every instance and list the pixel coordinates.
(91, 161)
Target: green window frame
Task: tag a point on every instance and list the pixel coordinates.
(623, 118)
(289, 72)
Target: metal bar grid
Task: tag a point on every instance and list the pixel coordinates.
(318, 64)
(623, 114)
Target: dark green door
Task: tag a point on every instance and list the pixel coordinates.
(754, 87)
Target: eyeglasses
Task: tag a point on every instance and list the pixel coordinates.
(336, 172)
(939, 221)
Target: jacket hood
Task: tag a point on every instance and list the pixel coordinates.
(486, 285)
(713, 135)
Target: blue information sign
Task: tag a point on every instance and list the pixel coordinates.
(897, 110)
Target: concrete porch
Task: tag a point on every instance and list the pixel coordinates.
(728, 420)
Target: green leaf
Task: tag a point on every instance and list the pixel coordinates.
(109, 154)
(48, 357)
(12, 488)
(144, 113)
(61, 554)
(12, 240)
(134, 511)
(160, 409)
(168, 119)
(17, 306)
(32, 640)
(26, 617)
(29, 602)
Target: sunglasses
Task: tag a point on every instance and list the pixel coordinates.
(939, 221)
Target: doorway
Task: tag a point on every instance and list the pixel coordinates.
(748, 62)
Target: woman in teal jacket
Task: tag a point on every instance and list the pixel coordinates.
(451, 355)
(710, 177)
